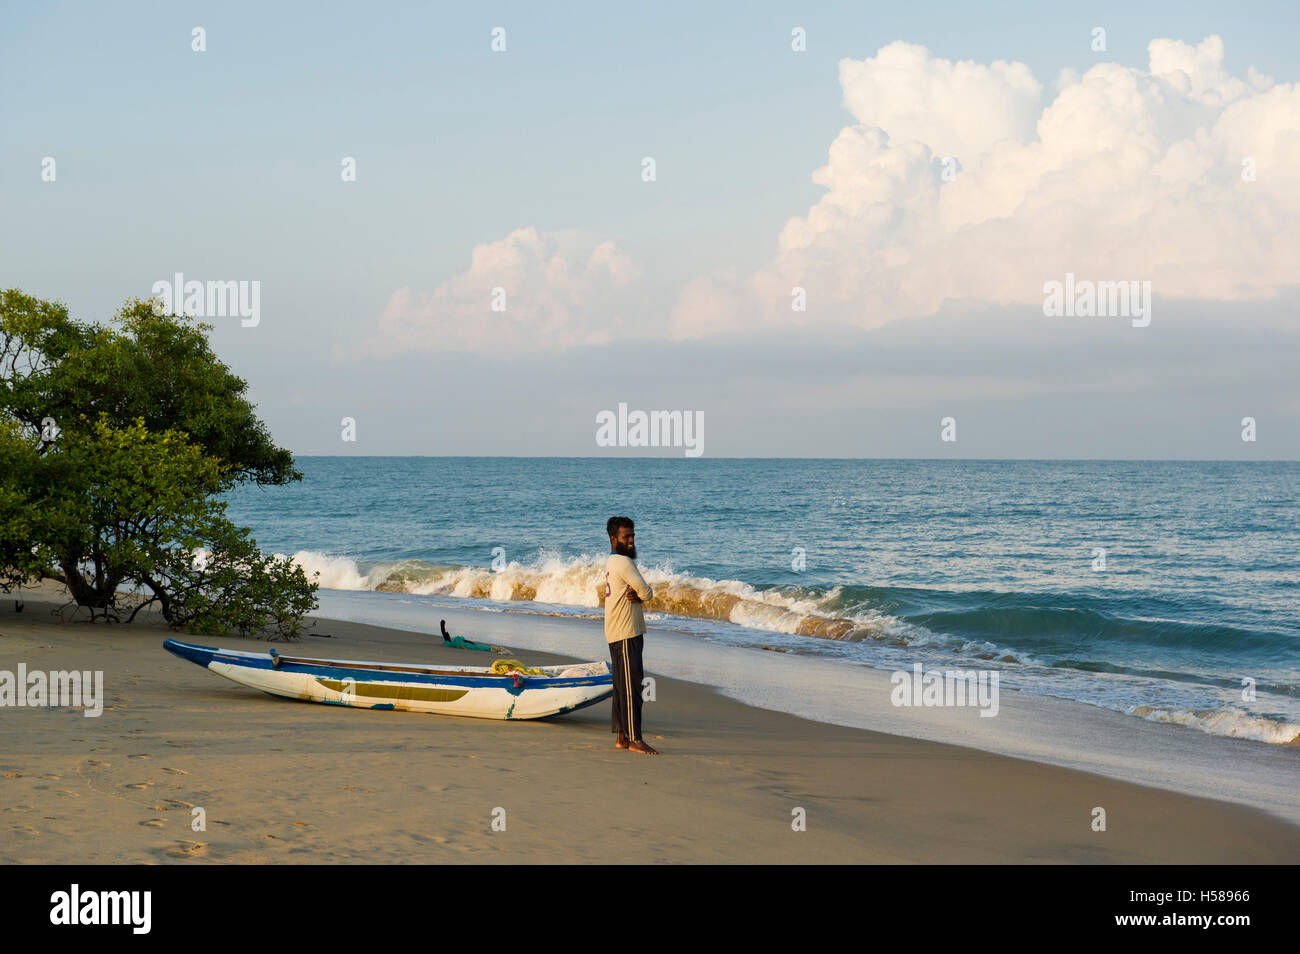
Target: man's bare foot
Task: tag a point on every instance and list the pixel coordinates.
(642, 748)
(621, 741)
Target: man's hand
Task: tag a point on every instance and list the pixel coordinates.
(631, 596)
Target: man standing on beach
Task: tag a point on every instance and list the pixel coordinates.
(624, 590)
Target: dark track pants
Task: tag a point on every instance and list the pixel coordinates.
(625, 665)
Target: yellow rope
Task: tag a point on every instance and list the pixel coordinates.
(504, 666)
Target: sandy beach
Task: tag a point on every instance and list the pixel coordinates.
(286, 782)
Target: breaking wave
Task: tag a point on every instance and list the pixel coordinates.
(573, 581)
(1230, 722)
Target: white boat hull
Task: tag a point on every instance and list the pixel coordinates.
(466, 691)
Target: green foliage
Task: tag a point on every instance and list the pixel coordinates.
(230, 587)
(157, 367)
(22, 554)
(151, 427)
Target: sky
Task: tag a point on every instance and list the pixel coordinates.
(843, 250)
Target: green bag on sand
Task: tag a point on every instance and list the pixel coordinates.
(460, 642)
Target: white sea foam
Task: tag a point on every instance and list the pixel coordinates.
(1231, 722)
(337, 573)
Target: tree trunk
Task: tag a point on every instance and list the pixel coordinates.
(161, 596)
(82, 592)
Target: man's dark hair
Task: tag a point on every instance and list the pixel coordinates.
(614, 524)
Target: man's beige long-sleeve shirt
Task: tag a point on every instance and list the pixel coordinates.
(623, 618)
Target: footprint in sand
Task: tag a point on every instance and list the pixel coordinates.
(152, 823)
(175, 771)
(188, 849)
(98, 762)
(14, 775)
(51, 775)
(137, 756)
(177, 803)
(140, 785)
(67, 793)
(25, 830)
(275, 841)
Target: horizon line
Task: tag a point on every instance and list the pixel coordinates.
(1149, 460)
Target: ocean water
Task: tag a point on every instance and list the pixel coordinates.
(1164, 590)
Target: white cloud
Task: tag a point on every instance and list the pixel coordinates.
(1126, 174)
(562, 290)
(957, 109)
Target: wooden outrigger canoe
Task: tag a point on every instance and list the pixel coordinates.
(507, 690)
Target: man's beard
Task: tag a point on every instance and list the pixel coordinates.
(628, 551)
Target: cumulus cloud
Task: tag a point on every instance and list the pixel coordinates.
(913, 95)
(956, 183)
(561, 290)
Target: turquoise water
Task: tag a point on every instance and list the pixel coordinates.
(1154, 588)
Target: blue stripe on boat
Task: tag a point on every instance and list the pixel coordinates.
(199, 655)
